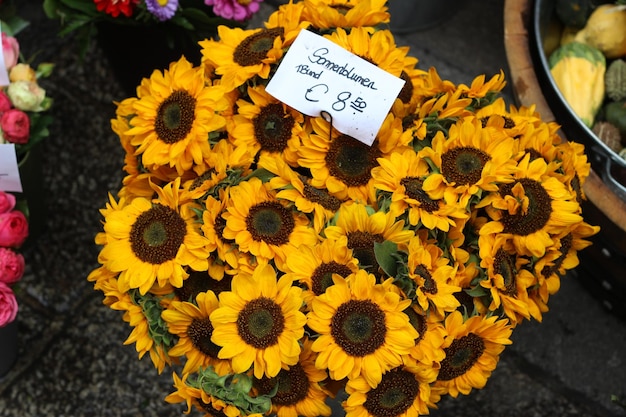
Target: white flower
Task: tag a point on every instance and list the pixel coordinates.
(27, 95)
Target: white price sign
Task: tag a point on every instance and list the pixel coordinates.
(9, 170)
(318, 77)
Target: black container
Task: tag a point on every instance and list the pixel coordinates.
(604, 161)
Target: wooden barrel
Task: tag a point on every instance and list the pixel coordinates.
(603, 265)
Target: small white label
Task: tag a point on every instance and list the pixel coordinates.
(9, 171)
(318, 77)
(4, 74)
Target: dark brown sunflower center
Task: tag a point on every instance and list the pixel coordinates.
(201, 281)
(270, 222)
(219, 226)
(538, 213)
(293, 386)
(413, 189)
(418, 322)
(461, 355)
(342, 8)
(351, 161)
(199, 332)
(362, 245)
(430, 285)
(358, 327)
(322, 277)
(272, 127)
(394, 394)
(321, 197)
(534, 154)
(407, 89)
(463, 165)
(175, 117)
(566, 245)
(504, 264)
(253, 49)
(210, 410)
(260, 323)
(201, 179)
(157, 234)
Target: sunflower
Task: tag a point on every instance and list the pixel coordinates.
(153, 241)
(364, 228)
(267, 125)
(531, 209)
(479, 88)
(340, 163)
(314, 266)
(378, 48)
(190, 322)
(240, 55)
(262, 226)
(507, 280)
(473, 347)
(331, 14)
(296, 188)
(428, 351)
(299, 392)
(190, 392)
(288, 17)
(259, 323)
(468, 160)
(362, 328)
(173, 117)
(402, 392)
(432, 274)
(213, 224)
(403, 175)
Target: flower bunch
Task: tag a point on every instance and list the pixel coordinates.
(23, 102)
(273, 260)
(197, 18)
(13, 232)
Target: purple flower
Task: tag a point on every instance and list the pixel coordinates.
(238, 10)
(162, 9)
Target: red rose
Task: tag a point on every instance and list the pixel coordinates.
(15, 126)
(13, 229)
(5, 102)
(11, 266)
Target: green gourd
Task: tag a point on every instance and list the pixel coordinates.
(615, 113)
(615, 80)
(578, 71)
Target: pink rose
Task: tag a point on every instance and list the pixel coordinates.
(16, 126)
(11, 266)
(13, 229)
(7, 202)
(5, 102)
(8, 305)
(10, 50)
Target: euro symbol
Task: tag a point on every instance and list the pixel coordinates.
(310, 92)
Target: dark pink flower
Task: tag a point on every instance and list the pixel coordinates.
(5, 102)
(233, 9)
(13, 229)
(7, 202)
(15, 126)
(8, 305)
(11, 266)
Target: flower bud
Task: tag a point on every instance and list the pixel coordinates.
(26, 95)
(10, 50)
(22, 72)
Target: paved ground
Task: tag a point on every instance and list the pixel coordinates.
(71, 358)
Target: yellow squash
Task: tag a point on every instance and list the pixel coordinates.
(578, 71)
(606, 30)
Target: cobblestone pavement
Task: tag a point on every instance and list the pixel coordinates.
(72, 361)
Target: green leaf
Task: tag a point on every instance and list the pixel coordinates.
(386, 254)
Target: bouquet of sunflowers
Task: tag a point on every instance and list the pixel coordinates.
(275, 261)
